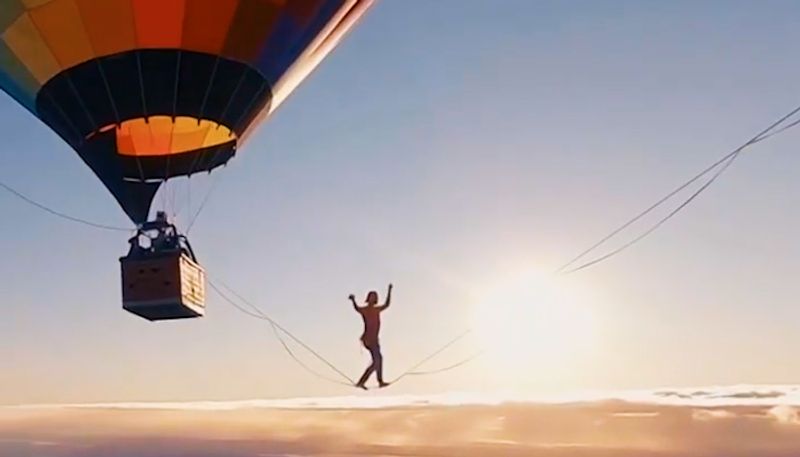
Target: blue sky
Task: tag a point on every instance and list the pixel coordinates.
(445, 146)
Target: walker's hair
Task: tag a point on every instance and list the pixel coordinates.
(372, 297)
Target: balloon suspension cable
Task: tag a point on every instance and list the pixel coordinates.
(413, 370)
(721, 165)
(60, 214)
(202, 206)
(279, 331)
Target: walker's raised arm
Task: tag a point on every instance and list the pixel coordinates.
(388, 298)
(353, 300)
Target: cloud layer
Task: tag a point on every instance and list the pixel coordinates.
(710, 422)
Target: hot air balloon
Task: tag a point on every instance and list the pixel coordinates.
(150, 90)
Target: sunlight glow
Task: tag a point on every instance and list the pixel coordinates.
(531, 321)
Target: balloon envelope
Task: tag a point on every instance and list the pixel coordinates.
(147, 90)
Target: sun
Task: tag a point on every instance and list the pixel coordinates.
(531, 320)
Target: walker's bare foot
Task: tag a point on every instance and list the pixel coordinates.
(383, 384)
(361, 386)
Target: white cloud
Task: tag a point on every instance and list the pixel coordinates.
(467, 426)
(709, 397)
(785, 414)
(711, 414)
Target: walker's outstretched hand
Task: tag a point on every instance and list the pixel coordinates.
(388, 298)
(352, 297)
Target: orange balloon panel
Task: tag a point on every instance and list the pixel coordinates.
(164, 135)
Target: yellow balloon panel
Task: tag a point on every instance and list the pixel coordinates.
(61, 28)
(23, 38)
(164, 135)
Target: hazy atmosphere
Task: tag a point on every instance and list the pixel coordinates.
(663, 423)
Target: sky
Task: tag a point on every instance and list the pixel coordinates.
(451, 150)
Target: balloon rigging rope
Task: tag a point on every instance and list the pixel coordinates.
(722, 163)
(60, 214)
(203, 203)
(279, 330)
(412, 371)
(655, 226)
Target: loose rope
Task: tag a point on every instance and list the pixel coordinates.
(277, 329)
(276, 326)
(49, 210)
(725, 161)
